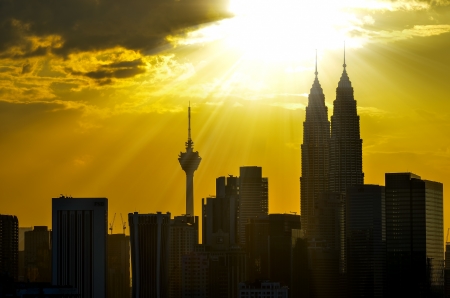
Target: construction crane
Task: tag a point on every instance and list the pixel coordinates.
(124, 224)
(112, 224)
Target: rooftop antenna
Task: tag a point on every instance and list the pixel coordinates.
(112, 224)
(189, 142)
(124, 226)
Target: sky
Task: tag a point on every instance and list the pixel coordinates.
(94, 95)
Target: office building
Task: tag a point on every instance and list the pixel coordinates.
(315, 152)
(38, 255)
(262, 289)
(150, 249)
(345, 167)
(9, 246)
(366, 240)
(213, 271)
(414, 236)
(269, 247)
(183, 238)
(220, 213)
(447, 268)
(118, 274)
(22, 271)
(253, 198)
(189, 161)
(79, 244)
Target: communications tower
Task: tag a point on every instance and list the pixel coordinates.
(189, 161)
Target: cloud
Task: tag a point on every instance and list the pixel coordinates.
(30, 28)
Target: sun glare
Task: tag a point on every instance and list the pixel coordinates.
(287, 30)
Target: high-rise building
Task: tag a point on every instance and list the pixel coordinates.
(22, 271)
(79, 244)
(220, 213)
(315, 152)
(345, 167)
(189, 161)
(327, 246)
(9, 246)
(269, 245)
(213, 271)
(118, 283)
(150, 249)
(264, 289)
(38, 255)
(447, 268)
(183, 238)
(253, 198)
(414, 236)
(366, 240)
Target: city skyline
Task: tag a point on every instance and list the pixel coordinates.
(119, 140)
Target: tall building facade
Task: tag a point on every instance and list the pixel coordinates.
(183, 238)
(220, 213)
(213, 271)
(189, 161)
(269, 247)
(79, 244)
(118, 283)
(414, 236)
(345, 167)
(9, 246)
(315, 152)
(150, 248)
(38, 255)
(253, 197)
(366, 240)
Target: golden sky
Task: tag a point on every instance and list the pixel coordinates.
(94, 95)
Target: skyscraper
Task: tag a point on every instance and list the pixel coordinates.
(253, 197)
(220, 213)
(315, 152)
(268, 245)
(189, 161)
(150, 247)
(38, 255)
(183, 238)
(79, 244)
(118, 266)
(414, 236)
(9, 246)
(345, 144)
(366, 234)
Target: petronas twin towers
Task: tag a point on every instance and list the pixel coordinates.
(331, 158)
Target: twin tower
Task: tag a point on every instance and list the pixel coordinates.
(331, 158)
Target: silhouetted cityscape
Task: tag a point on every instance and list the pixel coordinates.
(350, 239)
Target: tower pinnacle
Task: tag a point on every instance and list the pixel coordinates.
(189, 161)
(344, 65)
(316, 73)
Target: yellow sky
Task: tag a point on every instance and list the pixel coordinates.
(98, 106)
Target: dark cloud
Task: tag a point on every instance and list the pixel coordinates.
(26, 68)
(118, 70)
(84, 25)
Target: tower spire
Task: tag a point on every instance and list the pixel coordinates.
(345, 65)
(316, 73)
